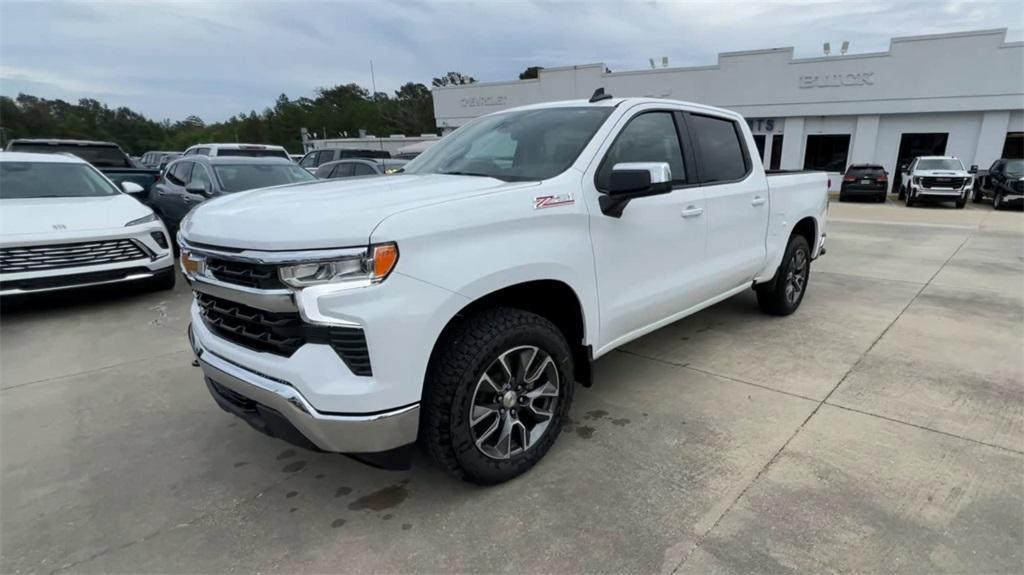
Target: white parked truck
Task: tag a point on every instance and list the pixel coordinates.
(458, 301)
(936, 179)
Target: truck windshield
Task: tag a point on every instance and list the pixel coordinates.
(941, 164)
(514, 146)
(51, 180)
(1015, 168)
(241, 177)
(99, 156)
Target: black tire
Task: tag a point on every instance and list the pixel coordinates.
(881, 198)
(467, 351)
(961, 203)
(773, 297)
(164, 280)
(976, 195)
(909, 200)
(842, 198)
(997, 201)
(903, 193)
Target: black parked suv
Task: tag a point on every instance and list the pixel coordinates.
(192, 180)
(1004, 183)
(864, 181)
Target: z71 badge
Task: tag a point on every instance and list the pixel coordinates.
(552, 201)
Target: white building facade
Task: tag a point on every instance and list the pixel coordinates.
(958, 94)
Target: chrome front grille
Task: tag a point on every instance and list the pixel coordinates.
(59, 256)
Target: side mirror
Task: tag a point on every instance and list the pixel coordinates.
(133, 189)
(631, 180)
(974, 169)
(201, 188)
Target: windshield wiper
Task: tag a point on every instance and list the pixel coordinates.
(482, 175)
(504, 178)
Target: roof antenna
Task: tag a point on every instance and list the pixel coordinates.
(599, 95)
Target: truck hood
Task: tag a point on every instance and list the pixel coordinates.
(325, 214)
(41, 215)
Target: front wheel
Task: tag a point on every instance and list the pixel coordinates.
(783, 294)
(997, 201)
(961, 203)
(497, 393)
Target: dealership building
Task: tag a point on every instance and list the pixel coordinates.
(958, 94)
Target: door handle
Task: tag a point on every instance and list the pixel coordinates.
(757, 201)
(692, 212)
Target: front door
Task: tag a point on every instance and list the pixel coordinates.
(647, 261)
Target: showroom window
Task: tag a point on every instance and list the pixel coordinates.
(776, 152)
(827, 152)
(759, 141)
(1013, 147)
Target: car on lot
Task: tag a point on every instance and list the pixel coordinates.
(107, 157)
(1003, 182)
(313, 160)
(864, 181)
(352, 168)
(64, 225)
(237, 150)
(154, 159)
(459, 301)
(936, 179)
(192, 180)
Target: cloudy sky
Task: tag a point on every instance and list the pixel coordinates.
(218, 58)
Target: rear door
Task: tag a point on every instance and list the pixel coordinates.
(341, 170)
(173, 204)
(737, 202)
(648, 260)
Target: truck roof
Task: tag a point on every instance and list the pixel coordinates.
(61, 142)
(614, 102)
(236, 146)
(40, 158)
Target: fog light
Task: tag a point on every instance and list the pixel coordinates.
(160, 239)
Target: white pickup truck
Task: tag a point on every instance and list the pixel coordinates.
(459, 301)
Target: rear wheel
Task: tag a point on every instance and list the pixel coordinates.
(783, 294)
(881, 198)
(997, 201)
(497, 395)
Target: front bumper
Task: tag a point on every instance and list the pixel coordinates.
(276, 408)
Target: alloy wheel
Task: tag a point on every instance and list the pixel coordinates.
(796, 277)
(514, 402)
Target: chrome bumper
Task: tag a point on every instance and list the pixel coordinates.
(371, 433)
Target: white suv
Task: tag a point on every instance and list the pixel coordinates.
(936, 179)
(65, 225)
(242, 150)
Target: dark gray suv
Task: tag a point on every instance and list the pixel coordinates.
(192, 180)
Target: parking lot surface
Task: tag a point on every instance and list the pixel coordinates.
(878, 429)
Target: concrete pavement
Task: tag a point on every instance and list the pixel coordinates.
(878, 429)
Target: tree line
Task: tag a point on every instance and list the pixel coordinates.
(345, 110)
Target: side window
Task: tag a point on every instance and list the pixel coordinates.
(200, 176)
(342, 170)
(721, 152)
(203, 152)
(189, 152)
(309, 160)
(363, 170)
(179, 173)
(648, 137)
(324, 156)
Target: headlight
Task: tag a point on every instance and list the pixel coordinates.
(143, 220)
(363, 268)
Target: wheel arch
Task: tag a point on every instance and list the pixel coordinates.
(808, 229)
(551, 299)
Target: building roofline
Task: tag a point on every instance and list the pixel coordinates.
(742, 53)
